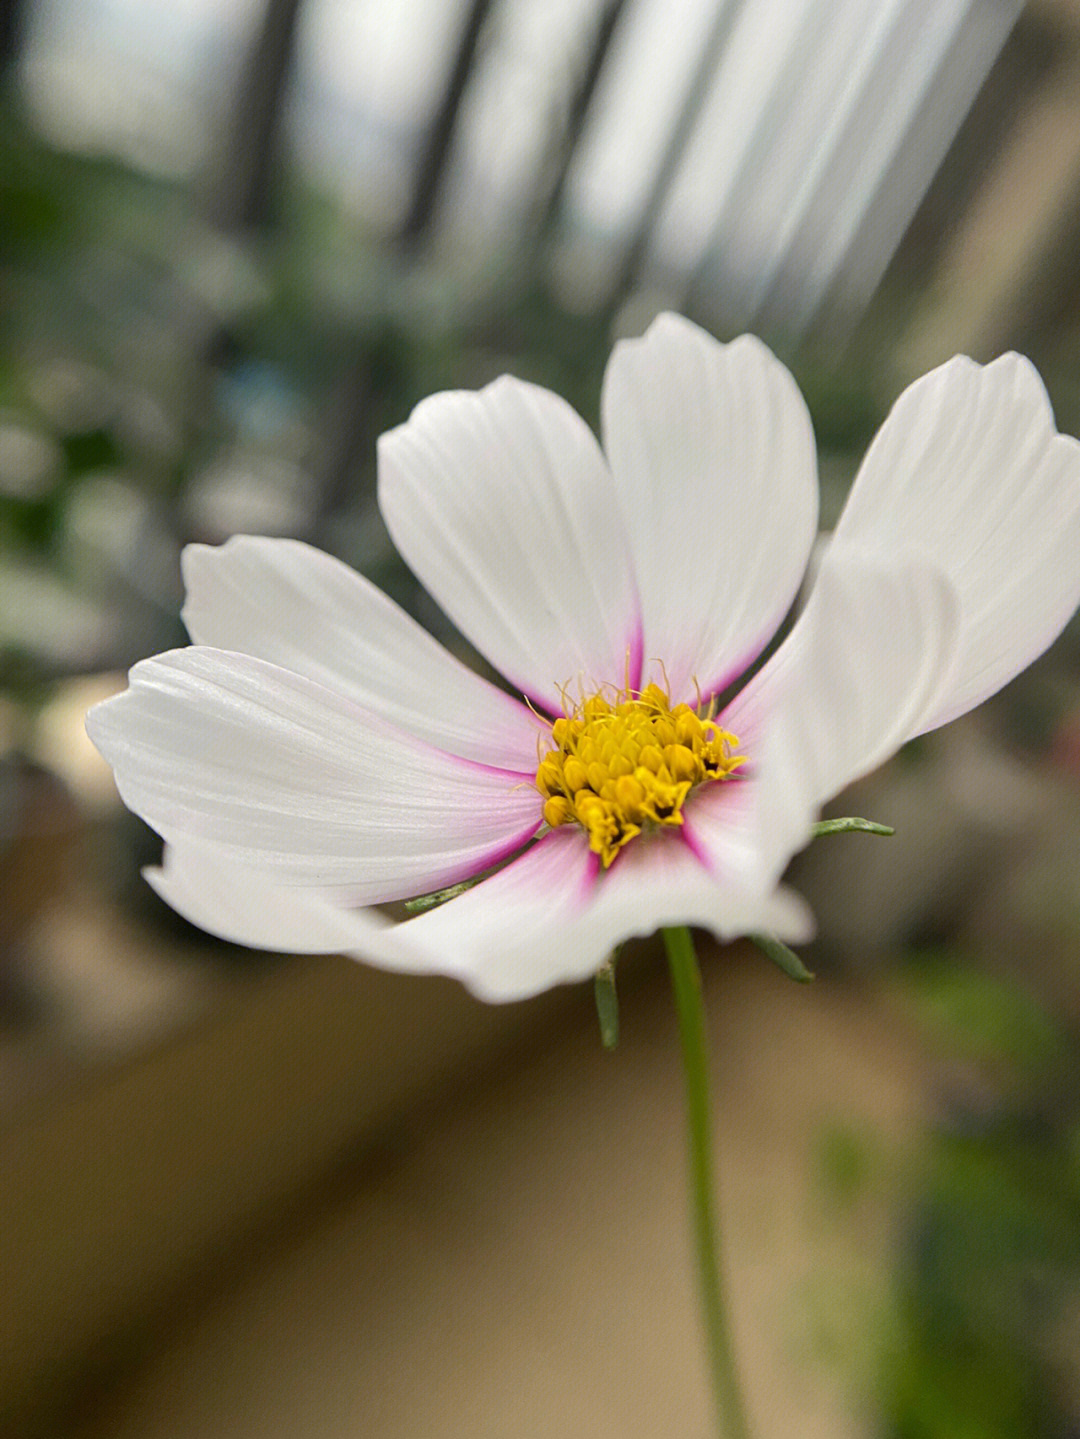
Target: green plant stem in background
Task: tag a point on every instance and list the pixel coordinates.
(686, 983)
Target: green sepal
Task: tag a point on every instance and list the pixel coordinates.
(607, 1004)
(850, 826)
(782, 956)
(439, 896)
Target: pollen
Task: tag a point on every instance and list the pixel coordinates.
(623, 764)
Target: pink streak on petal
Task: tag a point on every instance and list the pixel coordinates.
(751, 721)
(655, 665)
(526, 775)
(352, 895)
(567, 836)
(505, 851)
(536, 877)
(716, 823)
(636, 654)
(628, 670)
(541, 731)
(696, 848)
(543, 706)
(591, 875)
(717, 687)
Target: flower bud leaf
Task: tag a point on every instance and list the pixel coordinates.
(607, 1004)
(851, 826)
(424, 902)
(781, 955)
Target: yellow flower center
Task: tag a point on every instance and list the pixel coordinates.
(625, 764)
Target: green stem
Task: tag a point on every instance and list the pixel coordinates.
(686, 983)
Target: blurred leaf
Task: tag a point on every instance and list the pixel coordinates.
(782, 956)
(978, 1016)
(844, 1162)
(995, 1256)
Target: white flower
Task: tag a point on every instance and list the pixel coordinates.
(315, 752)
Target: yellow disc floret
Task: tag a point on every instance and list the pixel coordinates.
(623, 764)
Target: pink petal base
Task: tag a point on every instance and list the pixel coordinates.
(549, 917)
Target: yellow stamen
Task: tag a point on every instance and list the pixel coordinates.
(557, 810)
(625, 762)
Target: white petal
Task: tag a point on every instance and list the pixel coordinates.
(283, 601)
(841, 694)
(548, 918)
(501, 503)
(517, 933)
(296, 780)
(541, 921)
(244, 906)
(713, 455)
(969, 473)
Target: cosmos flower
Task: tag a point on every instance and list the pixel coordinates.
(315, 754)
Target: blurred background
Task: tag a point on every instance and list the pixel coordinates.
(261, 1196)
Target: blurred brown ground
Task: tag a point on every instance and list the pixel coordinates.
(511, 1257)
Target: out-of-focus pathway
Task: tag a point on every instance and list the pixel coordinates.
(516, 1265)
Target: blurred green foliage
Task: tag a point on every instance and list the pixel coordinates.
(163, 381)
(977, 1016)
(983, 1340)
(845, 1163)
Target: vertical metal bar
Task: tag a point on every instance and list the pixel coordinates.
(242, 182)
(577, 115)
(634, 254)
(431, 165)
